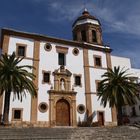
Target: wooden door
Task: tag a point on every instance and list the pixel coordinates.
(101, 118)
(62, 113)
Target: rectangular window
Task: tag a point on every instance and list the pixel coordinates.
(61, 59)
(77, 80)
(83, 34)
(94, 38)
(17, 114)
(46, 77)
(97, 61)
(21, 51)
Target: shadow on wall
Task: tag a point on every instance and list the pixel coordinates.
(88, 120)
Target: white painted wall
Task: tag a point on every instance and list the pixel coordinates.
(14, 40)
(126, 63)
(121, 61)
(95, 74)
(49, 62)
(26, 103)
(96, 106)
(91, 58)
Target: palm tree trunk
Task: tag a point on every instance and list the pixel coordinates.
(119, 109)
(6, 108)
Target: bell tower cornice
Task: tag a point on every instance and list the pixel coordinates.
(87, 28)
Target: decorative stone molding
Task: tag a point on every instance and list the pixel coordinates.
(62, 92)
(62, 79)
(60, 49)
(54, 97)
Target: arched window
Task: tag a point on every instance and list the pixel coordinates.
(94, 37)
(83, 34)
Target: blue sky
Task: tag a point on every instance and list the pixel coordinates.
(120, 20)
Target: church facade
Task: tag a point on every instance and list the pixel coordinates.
(67, 76)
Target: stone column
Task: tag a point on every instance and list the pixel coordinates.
(113, 109)
(5, 46)
(87, 82)
(34, 100)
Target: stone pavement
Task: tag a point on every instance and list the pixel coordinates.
(80, 133)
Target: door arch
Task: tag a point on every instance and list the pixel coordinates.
(62, 113)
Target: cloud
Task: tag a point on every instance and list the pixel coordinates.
(119, 17)
(116, 16)
(63, 11)
(122, 18)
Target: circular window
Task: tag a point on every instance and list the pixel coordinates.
(81, 108)
(75, 51)
(48, 47)
(43, 107)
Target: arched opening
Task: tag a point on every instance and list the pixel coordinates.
(62, 113)
(94, 36)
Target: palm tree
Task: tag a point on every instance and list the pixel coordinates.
(14, 79)
(118, 90)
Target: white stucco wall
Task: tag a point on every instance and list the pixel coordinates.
(95, 74)
(25, 105)
(126, 63)
(135, 73)
(15, 40)
(121, 61)
(49, 62)
(93, 53)
(26, 102)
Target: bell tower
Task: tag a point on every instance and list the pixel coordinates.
(87, 28)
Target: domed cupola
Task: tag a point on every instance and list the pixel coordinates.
(87, 28)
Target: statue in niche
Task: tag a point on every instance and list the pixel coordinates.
(62, 84)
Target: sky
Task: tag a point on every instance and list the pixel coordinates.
(120, 20)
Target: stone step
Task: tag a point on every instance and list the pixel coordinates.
(115, 133)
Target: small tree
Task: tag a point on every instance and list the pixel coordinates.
(14, 79)
(118, 90)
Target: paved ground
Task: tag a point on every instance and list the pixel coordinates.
(92, 133)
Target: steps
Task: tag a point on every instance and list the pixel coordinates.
(83, 133)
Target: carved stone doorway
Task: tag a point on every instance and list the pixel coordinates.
(62, 113)
(62, 99)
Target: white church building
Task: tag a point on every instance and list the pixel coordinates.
(67, 76)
